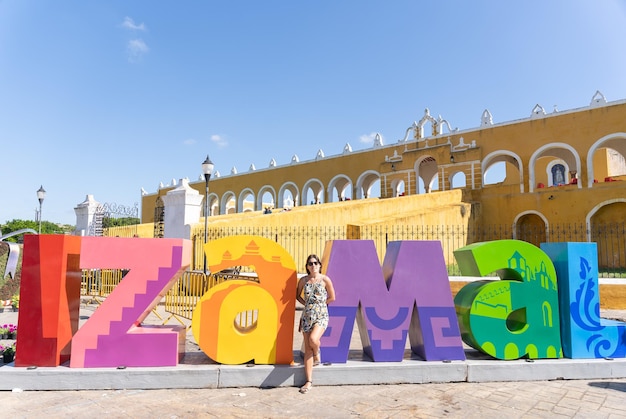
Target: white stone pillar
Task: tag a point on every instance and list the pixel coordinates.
(182, 208)
(85, 212)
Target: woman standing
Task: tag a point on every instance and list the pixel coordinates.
(315, 291)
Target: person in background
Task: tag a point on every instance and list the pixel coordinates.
(315, 291)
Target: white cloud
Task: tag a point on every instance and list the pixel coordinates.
(219, 140)
(190, 141)
(368, 138)
(129, 23)
(136, 49)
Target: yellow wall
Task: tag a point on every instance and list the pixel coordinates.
(427, 209)
(555, 134)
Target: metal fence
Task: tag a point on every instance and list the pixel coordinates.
(301, 241)
(180, 300)
(298, 241)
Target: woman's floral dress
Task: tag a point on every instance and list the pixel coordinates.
(315, 310)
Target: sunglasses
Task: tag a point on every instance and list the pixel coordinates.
(312, 263)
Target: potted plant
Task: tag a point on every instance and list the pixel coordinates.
(15, 302)
(12, 331)
(4, 331)
(8, 353)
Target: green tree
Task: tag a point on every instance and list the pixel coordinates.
(46, 228)
(117, 222)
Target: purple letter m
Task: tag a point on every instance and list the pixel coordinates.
(409, 294)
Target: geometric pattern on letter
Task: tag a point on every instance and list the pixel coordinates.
(113, 336)
(421, 269)
(516, 316)
(267, 307)
(357, 278)
(413, 274)
(584, 333)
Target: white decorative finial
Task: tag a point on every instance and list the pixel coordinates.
(378, 141)
(486, 119)
(598, 99)
(538, 111)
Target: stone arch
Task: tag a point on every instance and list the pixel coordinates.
(531, 226)
(214, 203)
(365, 182)
(398, 187)
(457, 179)
(241, 206)
(562, 151)
(291, 187)
(259, 198)
(317, 188)
(505, 156)
(228, 203)
(605, 226)
(614, 141)
(425, 168)
(340, 183)
(594, 210)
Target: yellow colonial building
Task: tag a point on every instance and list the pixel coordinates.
(562, 167)
(561, 178)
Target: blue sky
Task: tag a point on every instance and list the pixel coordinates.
(107, 97)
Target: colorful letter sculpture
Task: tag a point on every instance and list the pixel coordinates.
(113, 336)
(409, 294)
(50, 297)
(584, 333)
(239, 320)
(49, 300)
(517, 316)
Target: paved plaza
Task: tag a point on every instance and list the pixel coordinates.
(603, 397)
(592, 399)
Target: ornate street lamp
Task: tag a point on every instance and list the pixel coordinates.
(41, 194)
(207, 169)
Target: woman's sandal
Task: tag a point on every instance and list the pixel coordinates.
(316, 359)
(305, 389)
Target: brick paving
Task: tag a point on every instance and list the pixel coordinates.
(600, 398)
(538, 399)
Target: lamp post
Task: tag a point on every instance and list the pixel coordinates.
(41, 194)
(207, 169)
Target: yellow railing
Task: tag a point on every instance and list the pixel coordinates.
(184, 295)
(182, 299)
(298, 241)
(99, 283)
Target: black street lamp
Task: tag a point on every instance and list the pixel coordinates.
(207, 169)
(41, 194)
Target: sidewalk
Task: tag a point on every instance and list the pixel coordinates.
(518, 397)
(198, 371)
